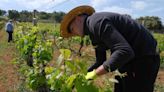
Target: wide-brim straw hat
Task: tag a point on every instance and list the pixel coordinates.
(67, 19)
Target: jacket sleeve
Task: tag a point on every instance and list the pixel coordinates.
(100, 58)
(121, 50)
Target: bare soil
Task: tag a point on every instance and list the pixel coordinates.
(160, 77)
(8, 73)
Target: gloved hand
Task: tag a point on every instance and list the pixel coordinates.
(91, 75)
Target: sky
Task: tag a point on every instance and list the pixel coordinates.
(135, 8)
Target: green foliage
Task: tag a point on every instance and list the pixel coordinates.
(151, 22)
(160, 40)
(13, 14)
(35, 80)
(3, 18)
(2, 21)
(159, 88)
(32, 41)
(66, 53)
(58, 16)
(25, 16)
(2, 12)
(67, 77)
(44, 15)
(1, 24)
(83, 85)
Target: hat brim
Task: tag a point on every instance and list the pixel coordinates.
(71, 15)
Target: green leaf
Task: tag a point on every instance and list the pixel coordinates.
(49, 70)
(70, 81)
(108, 89)
(83, 85)
(66, 53)
(70, 65)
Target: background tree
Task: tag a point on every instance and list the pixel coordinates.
(57, 16)
(25, 16)
(13, 14)
(2, 12)
(151, 22)
(44, 15)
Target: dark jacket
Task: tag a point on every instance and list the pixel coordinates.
(125, 38)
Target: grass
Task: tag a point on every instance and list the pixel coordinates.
(159, 88)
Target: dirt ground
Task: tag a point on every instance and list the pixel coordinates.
(8, 73)
(160, 77)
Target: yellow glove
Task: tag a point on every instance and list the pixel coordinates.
(91, 75)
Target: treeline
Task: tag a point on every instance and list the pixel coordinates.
(151, 22)
(27, 16)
